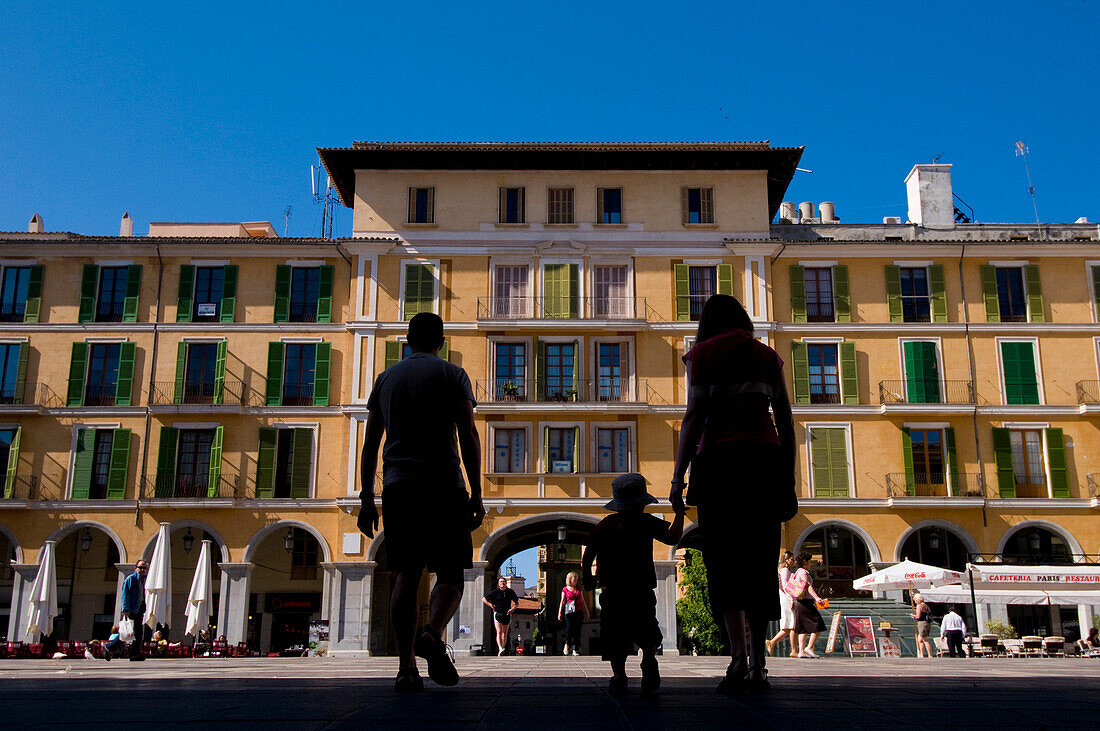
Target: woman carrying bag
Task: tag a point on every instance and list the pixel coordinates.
(807, 619)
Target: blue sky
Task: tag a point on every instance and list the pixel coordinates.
(211, 111)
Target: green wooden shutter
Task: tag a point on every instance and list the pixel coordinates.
(419, 290)
(282, 293)
(82, 464)
(1034, 293)
(800, 372)
(849, 377)
(1096, 291)
(77, 367)
(989, 293)
(124, 389)
(181, 371)
(221, 356)
(576, 449)
(829, 462)
(301, 463)
(553, 290)
(13, 464)
(798, 293)
(273, 395)
(445, 351)
(842, 300)
(89, 282)
(573, 290)
(185, 294)
(133, 293)
(393, 352)
(546, 449)
(540, 370)
(214, 478)
(1002, 455)
(229, 293)
(324, 294)
(32, 312)
(938, 289)
(21, 373)
(1021, 381)
(166, 462)
(120, 464)
(683, 292)
(893, 293)
(954, 488)
(265, 462)
(907, 456)
(725, 279)
(1056, 457)
(921, 373)
(321, 366)
(838, 461)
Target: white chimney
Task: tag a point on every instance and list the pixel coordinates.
(1082, 219)
(806, 211)
(891, 220)
(828, 212)
(36, 226)
(127, 227)
(788, 212)
(928, 188)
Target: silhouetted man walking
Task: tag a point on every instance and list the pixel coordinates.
(420, 404)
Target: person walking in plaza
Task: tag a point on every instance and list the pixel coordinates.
(112, 646)
(786, 608)
(419, 404)
(923, 616)
(742, 478)
(622, 546)
(808, 623)
(573, 608)
(133, 606)
(503, 601)
(952, 630)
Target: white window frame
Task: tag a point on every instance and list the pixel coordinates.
(847, 427)
(510, 262)
(76, 428)
(315, 427)
(1089, 264)
(590, 284)
(939, 362)
(839, 372)
(997, 342)
(1042, 427)
(544, 459)
(594, 444)
(628, 375)
(528, 364)
(1015, 264)
(490, 453)
(405, 264)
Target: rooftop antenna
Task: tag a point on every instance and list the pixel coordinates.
(286, 222)
(1022, 151)
(936, 158)
(327, 201)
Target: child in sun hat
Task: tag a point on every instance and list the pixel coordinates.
(622, 546)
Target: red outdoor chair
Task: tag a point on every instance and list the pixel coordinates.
(65, 647)
(77, 649)
(219, 649)
(15, 649)
(34, 649)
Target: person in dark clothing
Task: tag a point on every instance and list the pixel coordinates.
(622, 546)
(503, 601)
(133, 606)
(419, 404)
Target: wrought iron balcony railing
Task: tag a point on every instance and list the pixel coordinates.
(561, 308)
(168, 485)
(950, 484)
(598, 390)
(1088, 392)
(22, 487)
(1094, 485)
(171, 393)
(920, 391)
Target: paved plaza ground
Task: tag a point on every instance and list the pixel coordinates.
(546, 692)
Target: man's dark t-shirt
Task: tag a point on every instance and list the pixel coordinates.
(502, 600)
(417, 400)
(623, 544)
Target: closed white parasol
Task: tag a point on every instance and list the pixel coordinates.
(43, 596)
(158, 584)
(200, 599)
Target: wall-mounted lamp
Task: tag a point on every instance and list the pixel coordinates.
(86, 540)
(188, 541)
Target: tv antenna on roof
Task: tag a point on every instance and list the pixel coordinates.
(286, 222)
(1022, 151)
(327, 201)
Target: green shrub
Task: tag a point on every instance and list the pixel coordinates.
(699, 631)
(1002, 629)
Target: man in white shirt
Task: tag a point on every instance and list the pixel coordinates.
(953, 628)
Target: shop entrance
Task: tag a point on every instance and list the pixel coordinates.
(286, 591)
(837, 557)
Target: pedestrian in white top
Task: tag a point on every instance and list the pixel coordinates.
(953, 628)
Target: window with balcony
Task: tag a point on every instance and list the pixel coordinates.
(695, 284)
(610, 368)
(612, 449)
(189, 463)
(609, 205)
(510, 292)
(1021, 381)
(298, 374)
(929, 461)
(100, 464)
(13, 372)
(284, 463)
(200, 372)
(1012, 293)
(824, 373)
(399, 350)
(303, 293)
(512, 207)
(509, 450)
(510, 364)
(610, 298)
(419, 290)
(922, 373)
(101, 374)
(560, 448)
(9, 458)
(556, 371)
(561, 290)
(1031, 462)
(697, 205)
(421, 205)
(21, 294)
(207, 294)
(820, 294)
(559, 205)
(102, 380)
(829, 468)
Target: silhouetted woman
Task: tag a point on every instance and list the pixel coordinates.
(742, 478)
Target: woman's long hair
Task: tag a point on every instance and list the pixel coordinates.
(722, 313)
(787, 555)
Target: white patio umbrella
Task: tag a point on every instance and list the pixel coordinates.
(158, 584)
(43, 597)
(201, 597)
(908, 575)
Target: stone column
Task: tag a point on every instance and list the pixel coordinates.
(349, 599)
(1084, 618)
(233, 604)
(666, 604)
(23, 575)
(124, 570)
(471, 612)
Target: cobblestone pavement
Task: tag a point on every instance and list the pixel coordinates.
(547, 692)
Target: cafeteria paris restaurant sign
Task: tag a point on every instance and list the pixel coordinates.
(1042, 578)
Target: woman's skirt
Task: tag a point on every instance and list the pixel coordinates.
(786, 611)
(807, 619)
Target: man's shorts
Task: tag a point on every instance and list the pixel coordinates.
(426, 527)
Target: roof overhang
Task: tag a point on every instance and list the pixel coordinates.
(778, 162)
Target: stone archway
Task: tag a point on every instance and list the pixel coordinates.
(1056, 544)
(841, 552)
(933, 541)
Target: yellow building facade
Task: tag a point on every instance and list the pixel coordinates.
(943, 375)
